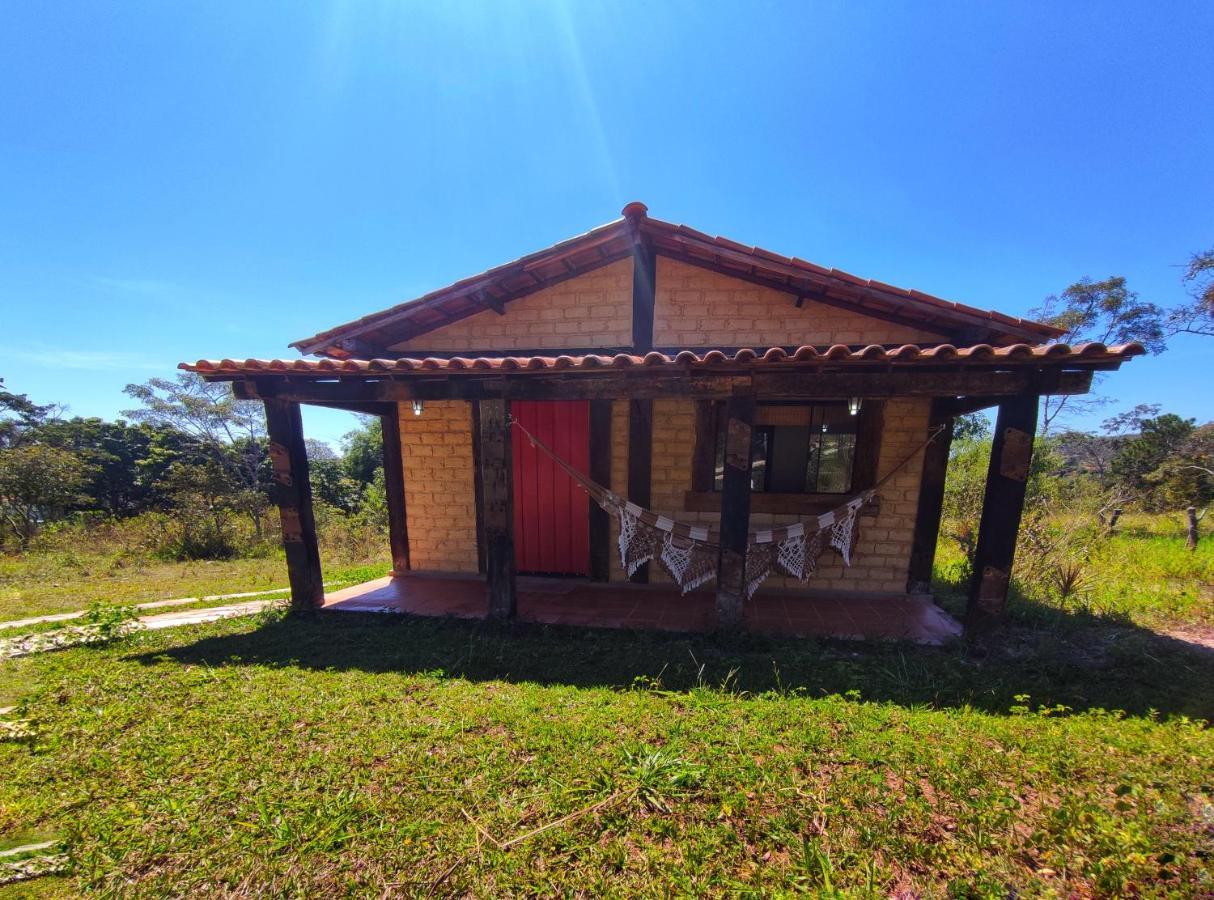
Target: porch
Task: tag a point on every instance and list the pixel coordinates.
(575, 602)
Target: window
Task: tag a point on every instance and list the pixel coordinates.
(797, 449)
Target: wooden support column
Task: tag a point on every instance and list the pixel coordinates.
(644, 281)
(1002, 505)
(478, 487)
(735, 508)
(600, 471)
(640, 462)
(496, 484)
(293, 495)
(931, 505)
(394, 487)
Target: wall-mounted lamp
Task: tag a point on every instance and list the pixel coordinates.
(417, 407)
(853, 405)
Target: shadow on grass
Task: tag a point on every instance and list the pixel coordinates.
(1081, 661)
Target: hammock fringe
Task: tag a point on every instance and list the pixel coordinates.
(688, 553)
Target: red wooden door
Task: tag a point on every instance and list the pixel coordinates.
(551, 513)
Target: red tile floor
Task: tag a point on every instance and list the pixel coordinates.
(555, 601)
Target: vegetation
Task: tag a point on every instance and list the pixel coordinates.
(339, 754)
(344, 754)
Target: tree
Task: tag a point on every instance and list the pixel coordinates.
(1104, 311)
(364, 451)
(126, 461)
(17, 415)
(1197, 316)
(37, 483)
(233, 429)
(1146, 463)
(972, 425)
(205, 499)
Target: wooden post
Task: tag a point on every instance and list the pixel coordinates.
(1191, 536)
(394, 487)
(931, 505)
(735, 508)
(478, 487)
(496, 483)
(644, 281)
(293, 494)
(600, 471)
(1002, 505)
(640, 462)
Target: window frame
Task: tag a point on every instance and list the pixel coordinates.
(865, 463)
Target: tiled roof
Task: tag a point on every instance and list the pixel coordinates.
(1016, 354)
(496, 286)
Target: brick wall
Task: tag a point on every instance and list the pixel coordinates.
(440, 495)
(591, 310)
(698, 308)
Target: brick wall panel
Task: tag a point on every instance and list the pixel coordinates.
(440, 493)
(594, 309)
(695, 307)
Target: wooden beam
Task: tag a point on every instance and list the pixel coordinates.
(735, 510)
(600, 471)
(640, 461)
(644, 285)
(945, 409)
(478, 485)
(498, 506)
(931, 502)
(704, 453)
(394, 487)
(363, 409)
(292, 490)
(805, 385)
(779, 504)
(1002, 506)
(870, 429)
(811, 385)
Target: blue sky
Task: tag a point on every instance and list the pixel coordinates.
(218, 179)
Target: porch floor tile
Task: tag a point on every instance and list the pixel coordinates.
(554, 601)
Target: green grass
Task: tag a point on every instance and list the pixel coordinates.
(352, 755)
(339, 754)
(46, 583)
(1142, 575)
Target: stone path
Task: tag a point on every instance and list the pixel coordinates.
(155, 604)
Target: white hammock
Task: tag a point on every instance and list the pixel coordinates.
(689, 553)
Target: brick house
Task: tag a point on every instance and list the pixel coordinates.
(642, 351)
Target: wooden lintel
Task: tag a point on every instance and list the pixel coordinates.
(364, 409)
(945, 410)
(806, 385)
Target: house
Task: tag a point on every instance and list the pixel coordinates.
(727, 388)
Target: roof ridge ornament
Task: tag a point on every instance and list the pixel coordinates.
(634, 210)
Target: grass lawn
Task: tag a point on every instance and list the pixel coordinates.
(44, 583)
(343, 754)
